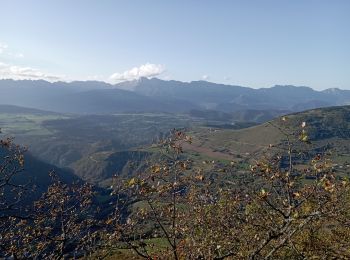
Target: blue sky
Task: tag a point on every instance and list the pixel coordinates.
(251, 43)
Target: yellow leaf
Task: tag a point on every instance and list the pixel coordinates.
(155, 169)
(200, 177)
(296, 194)
(109, 221)
(131, 182)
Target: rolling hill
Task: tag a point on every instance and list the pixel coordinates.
(35, 174)
(327, 130)
(94, 147)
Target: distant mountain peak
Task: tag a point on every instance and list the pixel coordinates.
(142, 79)
(154, 94)
(290, 87)
(332, 90)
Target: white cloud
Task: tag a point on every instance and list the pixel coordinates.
(205, 77)
(8, 71)
(3, 47)
(19, 55)
(146, 70)
(15, 55)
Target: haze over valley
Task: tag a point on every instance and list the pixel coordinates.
(69, 124)
(174, 130)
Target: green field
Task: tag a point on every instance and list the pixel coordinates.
(89, 144)
(26, 124)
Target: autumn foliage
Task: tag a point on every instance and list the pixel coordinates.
(282, 208)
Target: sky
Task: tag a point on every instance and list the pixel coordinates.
(250, 43)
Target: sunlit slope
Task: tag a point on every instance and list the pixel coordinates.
(326, 129)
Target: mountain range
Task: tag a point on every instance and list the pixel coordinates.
(155, 95)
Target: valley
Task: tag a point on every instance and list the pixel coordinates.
(96, 147)
(168, 130)
(120, 150)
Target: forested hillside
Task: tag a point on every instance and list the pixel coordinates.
(184, 130)
(209, 193)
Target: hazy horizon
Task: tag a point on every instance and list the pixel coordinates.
(247, 43)
(150, 78)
